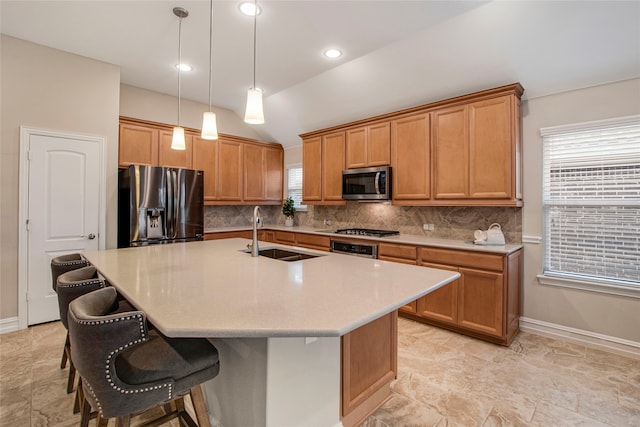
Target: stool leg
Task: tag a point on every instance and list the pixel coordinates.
(65, 352)
(72, 377)
(199, 406)
(85, 413)
(123, 421)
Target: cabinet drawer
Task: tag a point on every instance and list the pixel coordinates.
(397, 251)
(228, 235)
(286, 237)
(313, 241)
(462, 258)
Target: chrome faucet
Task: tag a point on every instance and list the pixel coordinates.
(256, 219)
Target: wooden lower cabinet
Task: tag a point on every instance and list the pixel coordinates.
(368, 365)
(484, 302)
(313, 241)
(441, 304)
(245, 234)
(285, 237)
(405, 254)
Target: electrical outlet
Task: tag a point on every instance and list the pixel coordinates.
(428, 227)
(328, 222)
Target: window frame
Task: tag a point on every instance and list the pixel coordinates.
(301, 207)
(574, 280)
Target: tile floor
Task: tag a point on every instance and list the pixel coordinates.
(444, 379)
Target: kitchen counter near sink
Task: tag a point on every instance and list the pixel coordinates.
(408, 239)
(281, 328)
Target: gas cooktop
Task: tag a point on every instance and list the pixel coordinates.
(367, 232)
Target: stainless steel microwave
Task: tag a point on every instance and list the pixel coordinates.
(367, 183)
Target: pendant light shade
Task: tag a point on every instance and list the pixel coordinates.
(209, 125)
(254, 113)
(178, 142)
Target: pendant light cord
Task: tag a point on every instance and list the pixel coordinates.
(210, 50)
(255, 18)
(179, 66)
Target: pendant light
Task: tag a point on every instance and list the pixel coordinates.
(177, 142)
(209, 125)
(254, 113)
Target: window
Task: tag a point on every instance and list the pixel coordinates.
(591, 206)
(294, 187)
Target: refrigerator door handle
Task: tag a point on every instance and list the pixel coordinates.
(170, 205)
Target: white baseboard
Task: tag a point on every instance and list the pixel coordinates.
(9, 324)
(608, 343)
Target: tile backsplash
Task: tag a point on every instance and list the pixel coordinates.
(457, 223)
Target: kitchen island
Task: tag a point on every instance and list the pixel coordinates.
(290, 334)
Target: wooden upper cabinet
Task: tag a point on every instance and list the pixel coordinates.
(450, 142)
(463, 151)
(229, 170)
(254, 167)
(205, 158)
(137, 145)
(333, 153)
(171, 158)
(274, 173)
(474, 148)
(491, 149)
(356, 148)
(410, 159)
(368, 146)
(263, 172)
(235, 168)
(312, 167)
(379, 144)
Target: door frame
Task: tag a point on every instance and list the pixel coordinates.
(23, 209)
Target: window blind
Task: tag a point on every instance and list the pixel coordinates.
(294, 186)
(591, 201)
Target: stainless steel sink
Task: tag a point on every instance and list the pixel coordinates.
(283, 254)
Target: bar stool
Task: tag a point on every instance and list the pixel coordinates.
(60, 265)
(127, 369)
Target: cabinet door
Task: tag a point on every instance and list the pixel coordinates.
(441, 304)
(313, 241)
(174, 158)
(274, 173)
(410, 154)
(137, 145)
(332, 166)
(480, 301)
(312, 169)
(450, 142)
(205, 158)
(254, 173)
(356, 148)
(369, 363)
(492, 151)
(229, 170)
(379, 144)
(285, 237)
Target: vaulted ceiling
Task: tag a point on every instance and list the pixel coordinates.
(397, 54)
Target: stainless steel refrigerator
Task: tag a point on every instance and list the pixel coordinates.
(159, 205)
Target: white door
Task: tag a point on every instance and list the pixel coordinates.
(63, 210)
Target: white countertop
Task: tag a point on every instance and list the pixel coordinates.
(213, 289)
(409, 239)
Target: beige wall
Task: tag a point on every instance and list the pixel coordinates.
(611, 315)
(158, 107)
(50, 89)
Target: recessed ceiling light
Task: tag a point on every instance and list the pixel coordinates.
(249, 8)
(332, 53)
(184, 67)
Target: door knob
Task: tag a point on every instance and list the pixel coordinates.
(91, 236)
